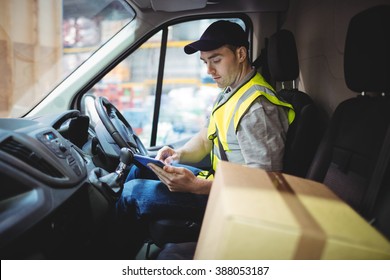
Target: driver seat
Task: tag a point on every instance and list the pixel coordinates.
(305, 132)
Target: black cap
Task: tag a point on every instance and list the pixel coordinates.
(219, 33)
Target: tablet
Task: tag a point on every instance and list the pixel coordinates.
(144, 160)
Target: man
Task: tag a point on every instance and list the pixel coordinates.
(248, 126)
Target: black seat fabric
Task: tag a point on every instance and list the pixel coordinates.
(282, 56)
(347, 160)
(305, 132)
(164, 231)
(178, 251)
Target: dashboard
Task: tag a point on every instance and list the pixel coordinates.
(48, 207)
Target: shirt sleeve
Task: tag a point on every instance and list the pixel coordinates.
(261, 135)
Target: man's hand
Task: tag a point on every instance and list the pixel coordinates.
(193, 151)
(167, 155)
(180, 179)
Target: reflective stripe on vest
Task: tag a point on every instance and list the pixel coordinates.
(226, 117)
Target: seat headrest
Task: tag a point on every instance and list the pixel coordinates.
(367, 51)
(283, 56)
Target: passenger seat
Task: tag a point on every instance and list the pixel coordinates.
(353, 158)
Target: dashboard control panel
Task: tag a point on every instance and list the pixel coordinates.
(62, 149)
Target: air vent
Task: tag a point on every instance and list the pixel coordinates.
(26, 155)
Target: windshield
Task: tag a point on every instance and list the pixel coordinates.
(42, 42)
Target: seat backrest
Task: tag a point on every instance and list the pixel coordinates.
(347, 160)
(305, 132)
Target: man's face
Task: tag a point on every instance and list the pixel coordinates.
(223, 65)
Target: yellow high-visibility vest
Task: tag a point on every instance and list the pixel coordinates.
(225, 117)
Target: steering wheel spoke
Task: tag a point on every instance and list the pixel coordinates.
(118, 127)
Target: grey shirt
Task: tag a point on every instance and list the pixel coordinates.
(262, 134)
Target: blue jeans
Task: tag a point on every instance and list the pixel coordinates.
(150, 198)
(146, 199)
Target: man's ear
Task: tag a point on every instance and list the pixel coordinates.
(242, 54)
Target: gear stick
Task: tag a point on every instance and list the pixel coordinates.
(125, 159)
(111, 184)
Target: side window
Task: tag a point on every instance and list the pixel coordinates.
(131, 87)
(187, 92)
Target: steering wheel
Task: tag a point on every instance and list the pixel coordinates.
(118, 127)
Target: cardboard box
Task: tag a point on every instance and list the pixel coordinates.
(253, 214)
